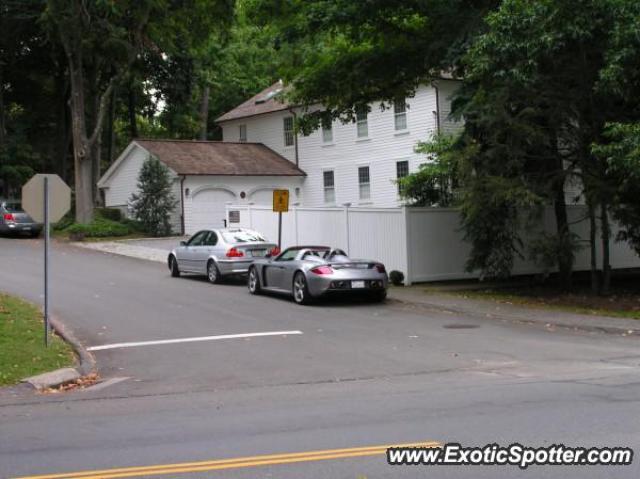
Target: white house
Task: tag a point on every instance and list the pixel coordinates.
(206, 175)
(356, 163)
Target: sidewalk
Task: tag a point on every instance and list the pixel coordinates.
(151, 249)
(548, 318)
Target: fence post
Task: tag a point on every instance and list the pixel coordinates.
(346, 225)
(295, 224)
(406, 242)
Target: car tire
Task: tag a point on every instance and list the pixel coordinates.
(379, 296)
(253, 281)
(213, 273)
(300, 289)
(35, 234)
(173, 266)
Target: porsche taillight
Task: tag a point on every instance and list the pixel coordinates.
(322, 270)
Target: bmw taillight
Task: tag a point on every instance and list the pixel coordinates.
(8, 217)
(380, 268)
(322, 270)
(275, 251)
(234, 253)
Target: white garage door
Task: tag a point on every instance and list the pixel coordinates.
(262, 197)
(207, 210)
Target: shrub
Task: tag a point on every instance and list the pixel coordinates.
(98, 228)
(112, 214)
(153, 204)
(396, 277)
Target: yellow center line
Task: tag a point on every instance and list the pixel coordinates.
(236, 463)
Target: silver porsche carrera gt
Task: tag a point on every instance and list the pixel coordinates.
(308, 272)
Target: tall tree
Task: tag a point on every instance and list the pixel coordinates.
(102, 40)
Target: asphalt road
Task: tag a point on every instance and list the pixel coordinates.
(358, 375)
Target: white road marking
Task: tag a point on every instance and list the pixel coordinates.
(192, 340)
(105, 384)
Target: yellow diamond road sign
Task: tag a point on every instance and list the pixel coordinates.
(33, 197)
(280, 201)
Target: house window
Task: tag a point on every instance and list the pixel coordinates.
(400, 113)
(327, 130)
(243, 133)
(402, 170)
(329, 187)
(362, 122)
(364, 183)
(288, 131)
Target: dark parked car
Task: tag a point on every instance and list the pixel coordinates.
(14, 221)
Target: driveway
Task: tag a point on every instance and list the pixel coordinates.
(211, 371)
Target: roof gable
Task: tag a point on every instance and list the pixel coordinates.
(267, 101)
(216, 158)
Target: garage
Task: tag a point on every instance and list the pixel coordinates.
(207, 175)
(207, 209)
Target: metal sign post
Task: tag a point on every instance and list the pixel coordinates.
(280, 205)
(46, 198)
(46, 260)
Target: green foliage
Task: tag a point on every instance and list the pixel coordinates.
(621, 153)
(436, 182)
(153, 204)
(345, 53)
(112, 214)
(548, 250)
(22, 349)
(396, 277)
(98, 228)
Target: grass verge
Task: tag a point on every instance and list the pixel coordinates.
(22, 350)
(620, 304)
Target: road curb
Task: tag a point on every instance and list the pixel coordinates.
(87, 361)
(62, 376)
(547, 324)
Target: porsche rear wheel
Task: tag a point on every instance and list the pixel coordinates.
(300, 290)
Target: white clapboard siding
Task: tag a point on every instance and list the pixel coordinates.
(380, 151)
(123, 182)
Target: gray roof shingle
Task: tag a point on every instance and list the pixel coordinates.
(220, 158)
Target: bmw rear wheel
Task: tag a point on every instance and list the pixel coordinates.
(300, 290)
(253, 281)
(213, 273)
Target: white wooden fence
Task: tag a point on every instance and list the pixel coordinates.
(426, 244)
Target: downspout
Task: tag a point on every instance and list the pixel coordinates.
(182, 204)
(434, 84)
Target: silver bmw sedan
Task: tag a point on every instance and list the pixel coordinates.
(220, 252)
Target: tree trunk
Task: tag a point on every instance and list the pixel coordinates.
(593, 227)
(110, 130)
(606, 234)
(3, 131)
(204, 113)
(133, 123)
(565, 257)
